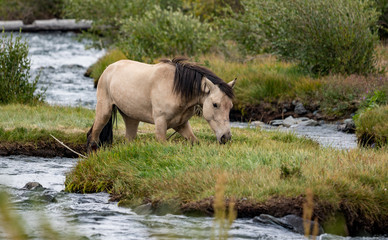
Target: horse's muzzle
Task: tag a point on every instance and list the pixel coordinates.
(225, 138)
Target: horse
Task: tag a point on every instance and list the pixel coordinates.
(164, 94)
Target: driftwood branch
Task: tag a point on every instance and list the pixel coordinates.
(79, 154)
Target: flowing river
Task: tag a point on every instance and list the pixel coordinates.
(61, 61)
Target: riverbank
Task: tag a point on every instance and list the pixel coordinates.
(266, 172)
(178, 174)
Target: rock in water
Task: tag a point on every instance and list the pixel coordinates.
(276, 123)
(33, 186)
(288, 122)
(348, 126)
(299, 109)
(290, 222)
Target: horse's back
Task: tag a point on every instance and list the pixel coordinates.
(133, 86)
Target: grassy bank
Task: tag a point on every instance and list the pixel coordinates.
(26, 129)
(259, 166)
(266, 172)
(372, 126)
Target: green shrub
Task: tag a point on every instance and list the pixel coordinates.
(110, 57)
(382, 7)
(106, 16)
(161, 32)
(30, 10)
(372, 126)
(330, 36)
(243, 27)
(15, 72)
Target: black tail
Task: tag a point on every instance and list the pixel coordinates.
(106, 135)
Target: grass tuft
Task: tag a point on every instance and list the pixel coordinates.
(372, 126)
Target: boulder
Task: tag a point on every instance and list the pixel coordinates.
(348, 126)
(309, 122)
(290, 222)
(276, 123)
(33, 186)
(299, 109)
(257, 124)
(288, 122)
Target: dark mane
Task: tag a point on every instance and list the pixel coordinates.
(188, 78)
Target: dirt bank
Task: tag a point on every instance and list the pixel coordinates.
(265, 112)
(356, 223)
(40, 149)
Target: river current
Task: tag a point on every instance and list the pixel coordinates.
(61, 61)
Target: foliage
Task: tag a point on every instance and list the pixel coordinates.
(244, 27)
(211, 10)
(30, 10)
(160, 32)
(15, 72)
(110, 57)
(377, 98)
(323, 36)
(263, 79)
(106, 15)
(382, 7)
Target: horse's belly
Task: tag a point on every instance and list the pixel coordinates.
(133, 103)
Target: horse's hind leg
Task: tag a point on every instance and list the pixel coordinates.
(103, 114)
(131, 126)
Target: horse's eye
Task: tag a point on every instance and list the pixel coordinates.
(215, 105)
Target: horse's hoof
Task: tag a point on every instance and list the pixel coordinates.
(92, 147)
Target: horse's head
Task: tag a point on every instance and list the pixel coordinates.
(216, 108)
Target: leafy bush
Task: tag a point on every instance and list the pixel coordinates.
(106, 16)
(331, 36)
(161, 32)
(15, 72)
(30, 10)
(382, 7)
(244, 27)
(110, 57)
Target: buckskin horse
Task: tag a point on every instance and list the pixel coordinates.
(164, 94)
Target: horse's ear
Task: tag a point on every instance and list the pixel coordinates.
(231, 83)
(207, 85)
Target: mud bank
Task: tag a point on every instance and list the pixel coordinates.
(266, 112)
(40, 149)
(356, 224)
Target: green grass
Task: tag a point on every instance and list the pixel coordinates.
(261, 79)
(372, 126)
(264, 79)
(258, 165)
(43, 116)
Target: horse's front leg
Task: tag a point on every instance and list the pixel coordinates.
(160, 128)
(186, 131)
